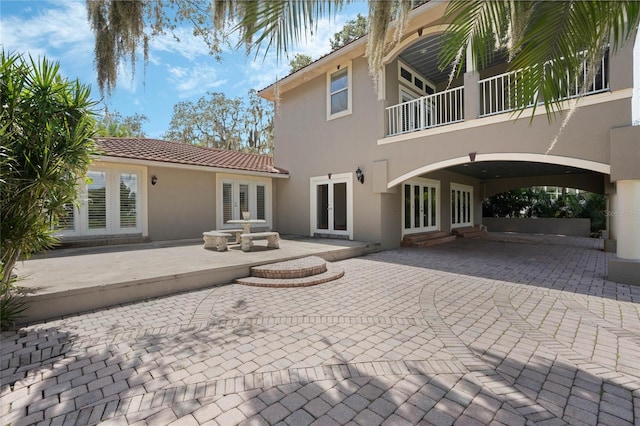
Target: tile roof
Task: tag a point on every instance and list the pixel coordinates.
(184, 153)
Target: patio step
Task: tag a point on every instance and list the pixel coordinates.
(303, 272)
(469, 231)
(426, 239)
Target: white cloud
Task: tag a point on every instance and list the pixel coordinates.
(59, 31)
(196, 79)
(180, 41)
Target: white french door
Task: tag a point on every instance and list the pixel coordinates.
(239, 196)
(461, 205)
(421, 206)
(110, 203)
(331, 206)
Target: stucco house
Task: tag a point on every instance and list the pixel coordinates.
(148, 189)
(427, 153)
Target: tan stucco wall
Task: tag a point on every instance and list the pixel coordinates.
(182, 203)
(586, 137)
(308, 145)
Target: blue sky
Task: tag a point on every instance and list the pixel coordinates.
(177, 71)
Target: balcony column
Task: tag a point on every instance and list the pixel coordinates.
(471, 89)
(625, 213)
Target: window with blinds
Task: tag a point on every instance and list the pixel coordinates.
(97, 200)
(128, 200)
(67, 222)
(261, 208)
(244, 198)
(227, 202)
(110, 203)
(240, 196)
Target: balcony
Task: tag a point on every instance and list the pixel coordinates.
(496, 95)
(439, 109)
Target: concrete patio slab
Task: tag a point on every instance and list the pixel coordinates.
(68, 281)
(503, 330)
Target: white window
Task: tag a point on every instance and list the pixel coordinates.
(339, 92)
(410, 78)
(243, 194)
(110, 203)
(461, 205)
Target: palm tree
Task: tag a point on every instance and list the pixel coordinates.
(543, 38)
(47, 125)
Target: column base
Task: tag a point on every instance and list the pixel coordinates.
(625, 271)
(610, 246)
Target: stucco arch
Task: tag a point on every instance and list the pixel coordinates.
(524, 157)
(411, 39)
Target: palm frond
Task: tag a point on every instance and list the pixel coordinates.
(551, 43)
(279, 25)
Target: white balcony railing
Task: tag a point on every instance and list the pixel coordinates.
(500, 93)
(426, 112)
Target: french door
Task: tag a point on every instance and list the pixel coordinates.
(461, 205)
(331, 206)
(243, 196)
(421, 206)
(110, 203)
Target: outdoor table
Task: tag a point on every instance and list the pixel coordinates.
(246, 223)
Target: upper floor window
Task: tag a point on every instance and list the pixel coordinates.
(339, 92)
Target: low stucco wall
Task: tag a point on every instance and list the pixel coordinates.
(525, 225)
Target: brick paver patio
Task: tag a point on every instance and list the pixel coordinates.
(507, 330)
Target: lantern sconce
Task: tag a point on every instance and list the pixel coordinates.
(359, 175)
(154, 180)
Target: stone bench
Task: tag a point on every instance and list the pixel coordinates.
(246, 240)
(216, 239)
(236, 232)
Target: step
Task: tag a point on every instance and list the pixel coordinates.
(433, 241)
(424, 239)
(425, 236)
(471, 234)
(332, 273)
(291, 269)
(468, 231)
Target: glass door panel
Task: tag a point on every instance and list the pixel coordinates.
(340, 206)
(420, 205)
(97, 201)
(322, 214)
(331, 206)
(128, 200)
(244, 199)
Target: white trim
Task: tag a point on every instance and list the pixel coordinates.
(150, 163)
(404, 84)
(340, 68)
(463, 188)
(507, 116)
(413, 37)
(236, 181)
(516, 156)
(430, 183)
(112, 212)
(326, 179)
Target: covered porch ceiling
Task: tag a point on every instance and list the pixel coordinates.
(484, 170)
(423, 56)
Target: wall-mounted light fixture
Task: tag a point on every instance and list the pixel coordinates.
(359, 175)
(472, 156)
(154, 179)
